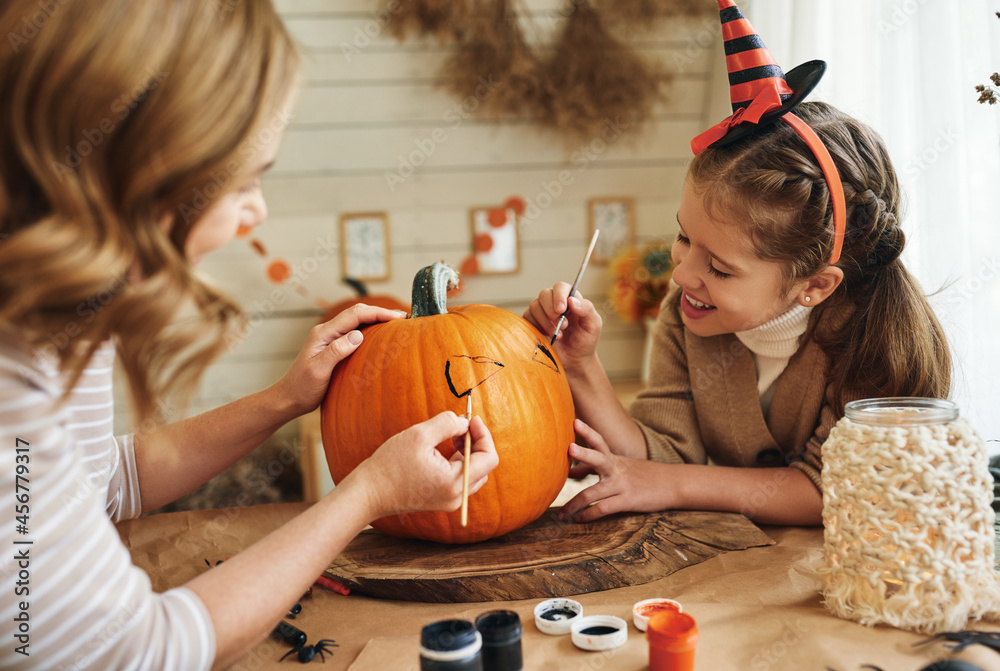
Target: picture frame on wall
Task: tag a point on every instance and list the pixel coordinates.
(496, 241)
(364, 245)
(614, 216)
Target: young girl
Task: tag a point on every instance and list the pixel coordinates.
(766, 336)
(133, 136)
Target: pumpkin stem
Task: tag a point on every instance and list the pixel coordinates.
(430, 290)
(359, 288)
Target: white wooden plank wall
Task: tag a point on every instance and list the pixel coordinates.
(368, 102)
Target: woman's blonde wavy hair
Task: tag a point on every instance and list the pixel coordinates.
(116, 116)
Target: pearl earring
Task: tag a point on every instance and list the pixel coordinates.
(808, 299)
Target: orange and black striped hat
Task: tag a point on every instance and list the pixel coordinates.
(761, 94)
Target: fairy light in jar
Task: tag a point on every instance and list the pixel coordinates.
(907, 516)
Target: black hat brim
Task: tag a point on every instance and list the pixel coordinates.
(802, 80)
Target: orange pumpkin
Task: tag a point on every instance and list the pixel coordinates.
(408, 370)
(380, 301)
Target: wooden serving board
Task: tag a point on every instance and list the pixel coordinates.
(544, 559)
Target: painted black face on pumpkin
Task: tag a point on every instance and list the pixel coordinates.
(465, 372)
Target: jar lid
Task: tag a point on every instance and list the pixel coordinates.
(645, 609)
(450, 640)
(499, 627)
(901, 410)
(556, 616)
(599, 632)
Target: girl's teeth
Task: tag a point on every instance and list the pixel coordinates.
(698, 304)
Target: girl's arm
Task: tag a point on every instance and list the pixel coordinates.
(595, 399)
(247, 595)
(766, 495)
(597, 404)
(177, 458)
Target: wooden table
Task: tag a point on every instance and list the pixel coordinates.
(757, 609)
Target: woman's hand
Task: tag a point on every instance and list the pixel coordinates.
(407, 473)
(329, 343)
(578, 337)
(626, 484)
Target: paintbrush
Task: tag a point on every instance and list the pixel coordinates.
(465, 466)
(576, 282)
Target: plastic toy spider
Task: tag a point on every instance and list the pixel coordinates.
(306, 653)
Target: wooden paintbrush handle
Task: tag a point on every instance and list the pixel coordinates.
(465, 463)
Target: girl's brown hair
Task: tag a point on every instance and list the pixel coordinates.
(884, 339)
(116, 117)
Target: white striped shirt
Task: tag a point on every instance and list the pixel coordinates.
(71, 597)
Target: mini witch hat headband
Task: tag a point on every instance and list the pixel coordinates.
(762, 94)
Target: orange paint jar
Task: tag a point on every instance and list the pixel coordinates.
(672, 640)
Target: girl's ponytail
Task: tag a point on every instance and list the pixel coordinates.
(893, 344)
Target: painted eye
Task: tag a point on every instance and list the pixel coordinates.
(544, 356)
(464, 373)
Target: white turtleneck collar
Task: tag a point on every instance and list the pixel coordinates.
(773, 343)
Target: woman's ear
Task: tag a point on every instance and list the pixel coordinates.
(166, 222)
(818, 288)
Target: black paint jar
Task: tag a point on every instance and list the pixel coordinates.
(451, 645)
(501, 631)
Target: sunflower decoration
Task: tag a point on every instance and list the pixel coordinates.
(641, 279)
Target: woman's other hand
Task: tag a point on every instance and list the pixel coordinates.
(329, 343)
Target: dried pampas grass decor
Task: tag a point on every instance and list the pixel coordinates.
(646, 13)
(494, 69)
(442, 19)
(592, 80)
(598, 80)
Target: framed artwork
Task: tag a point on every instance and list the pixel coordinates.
(615, 218)
(364, 245)
(495, 240)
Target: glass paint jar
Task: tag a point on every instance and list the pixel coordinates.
(672, 638)
(501, 632)
(451, 645)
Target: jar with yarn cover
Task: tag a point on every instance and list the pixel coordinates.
(907, 517)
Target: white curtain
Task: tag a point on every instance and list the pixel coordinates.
(909, 69)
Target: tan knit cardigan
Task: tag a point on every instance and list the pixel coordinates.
(702, 402)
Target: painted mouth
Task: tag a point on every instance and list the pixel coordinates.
(694, 302)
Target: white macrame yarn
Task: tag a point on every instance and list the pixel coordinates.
(908, 526)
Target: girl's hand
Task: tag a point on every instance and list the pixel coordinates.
(578, 337)
(626, 484)
(329, 343)
(580, 471)
(407, 473)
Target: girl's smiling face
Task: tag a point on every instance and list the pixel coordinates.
(726, 287)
